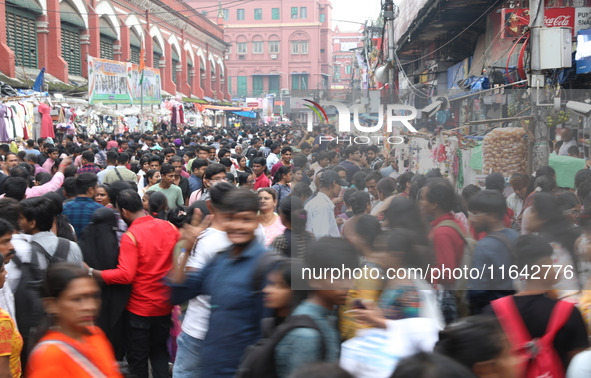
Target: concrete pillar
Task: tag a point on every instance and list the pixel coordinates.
(125, 49)
(182, 74)
(166, 71)
(84, 50)
(56, 65)
(7, 63)
(94, 32)
(208, 89)
(42, 32)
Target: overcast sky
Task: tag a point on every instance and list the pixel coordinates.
(353, 10)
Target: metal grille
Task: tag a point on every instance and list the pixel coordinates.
(156, 60)
(135, 55)
(22, 38)
(71, 50)
(106, 48)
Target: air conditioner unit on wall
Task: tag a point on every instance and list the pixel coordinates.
(273, 56)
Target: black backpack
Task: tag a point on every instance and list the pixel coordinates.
(259, 359)
(27, 297)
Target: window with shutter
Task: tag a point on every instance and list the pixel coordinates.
(174, 63)
(257, 85)
(106, 47)
(189, 68)
(156, 60)
(135, 55)
(22, 37)
(242, 86)
(71, 49)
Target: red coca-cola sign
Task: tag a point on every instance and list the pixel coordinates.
(517, 19)
(560, 18)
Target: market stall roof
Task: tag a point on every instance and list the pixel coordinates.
(250, 114)
(228, 108)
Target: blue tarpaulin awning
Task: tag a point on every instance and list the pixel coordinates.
(246, 114)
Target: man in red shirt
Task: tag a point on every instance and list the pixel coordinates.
(286, 153)
(436, 202)
(259, 166)
(145, 258)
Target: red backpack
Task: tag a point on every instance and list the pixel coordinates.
(539, 358)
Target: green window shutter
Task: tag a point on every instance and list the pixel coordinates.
(106, 47)
(230, 84)
(242, 86)
(274, 84)
(275, 13)
(135, 55)
(189, 68)
(295, 82)
(257, 85)
(71, 49)
(174, 63)
(21, 31)
(294, 12)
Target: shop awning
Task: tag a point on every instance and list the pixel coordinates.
(246, 114)
(228, 108)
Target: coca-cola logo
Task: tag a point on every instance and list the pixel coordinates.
(557, 21)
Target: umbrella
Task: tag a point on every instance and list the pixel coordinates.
(38, 86)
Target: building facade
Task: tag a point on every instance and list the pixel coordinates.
(275, 45)
(186, 46)
(345, 67)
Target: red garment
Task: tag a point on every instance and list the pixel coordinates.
(143, 263)
(276, 167)
(181, 115)
(46, 122)
(112, 144)
(448, 244)
(508, 218)
(262, 182)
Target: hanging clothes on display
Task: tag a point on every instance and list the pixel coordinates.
(36, 123)
(46, 122)
(3, 126)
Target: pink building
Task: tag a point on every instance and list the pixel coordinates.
(275, 45)
(344, 58)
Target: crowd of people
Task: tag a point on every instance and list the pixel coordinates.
(184, 253)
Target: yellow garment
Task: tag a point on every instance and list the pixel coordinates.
(363, 290)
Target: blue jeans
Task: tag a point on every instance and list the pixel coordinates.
(188, 361)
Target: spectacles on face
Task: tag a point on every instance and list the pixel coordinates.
(218, 180)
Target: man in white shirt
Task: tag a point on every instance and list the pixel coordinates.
(273, 157)
(321, 219)
(566, 135)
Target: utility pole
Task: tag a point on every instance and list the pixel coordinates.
(389, 15)
(539, 151)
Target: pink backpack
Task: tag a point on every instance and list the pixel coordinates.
(539, 358)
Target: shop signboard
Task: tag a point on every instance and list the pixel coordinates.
(112, 82)
(583, 55)
(107, 82)
(518, 19)
(152, 85)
